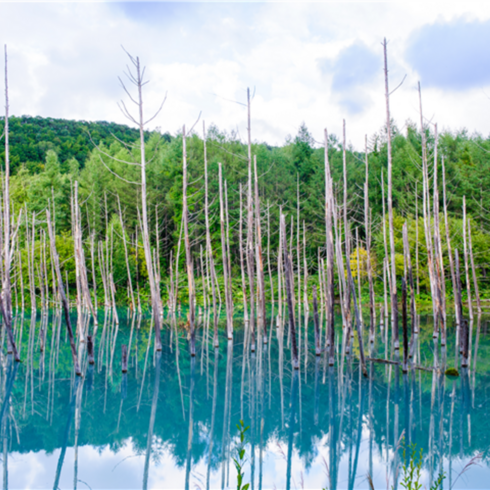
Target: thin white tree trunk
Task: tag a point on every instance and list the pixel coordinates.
(188, 256)
(394, 303)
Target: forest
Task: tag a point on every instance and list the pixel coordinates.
(49, 155)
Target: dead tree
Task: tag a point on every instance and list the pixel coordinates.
(260, 263)
(61, 289)
(427, 217)
(250, 232)
(188, 255)
(408, 262)
(472, 261)
(466, 261)
(6, 295)
(224, 254)
(329, 289)
(136, 77)
(357, 318)
(367, 225)
(448, 241)
(318, 350)
(394, 304)
(289, 292)
(209, 247)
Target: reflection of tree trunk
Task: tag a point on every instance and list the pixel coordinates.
(281, 372)
(465, 404)
(433, 414)
(332, 429)
(226, 413)
(371, 418)
(359, 432)
(292, 416)
(213, 414)
(261, 413)
(191, 423)
(396, 421)
(478, 327)
(442, 392)
(154, 403)
(67, 433)
(450, 451)
(253, 384)
(317, 391)
(4, 415)
(78, 416)
(406, 403)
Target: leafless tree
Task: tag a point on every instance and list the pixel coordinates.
(135, 73)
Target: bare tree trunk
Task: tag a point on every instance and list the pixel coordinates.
(298, 251)
(250, 237)
(305, 271)
(459, 300)
(140, 121)
(394, 304)
(408, 262)
(358, 320)
(6, 295)
(188, 256)
(367, 225)
(466, 262)
(260, 264)
(279, 274)
(427, 217)
(269, 254)
(417, 236)
(228, 253)
(209, 248)
(404, 324)
(329, 245)
(130, 282)
(80, 257)
(317, 323)
(288, 274)
(61, 290)
(386, 263)
(475, 282)
(92, 256)
(448, 244)
(438, 263)
(229, 319)
(347, 291)
(242, 268)
(358, 260)
(177, 257)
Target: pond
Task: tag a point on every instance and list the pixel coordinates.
(171, 421)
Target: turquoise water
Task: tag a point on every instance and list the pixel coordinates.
(170, 422)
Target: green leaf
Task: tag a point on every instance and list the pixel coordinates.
(245, 487)
(242, 453)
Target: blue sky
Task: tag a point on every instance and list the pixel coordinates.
(316, 63)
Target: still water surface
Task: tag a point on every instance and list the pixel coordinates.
(170, 422)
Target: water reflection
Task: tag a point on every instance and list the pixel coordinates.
(170, 422)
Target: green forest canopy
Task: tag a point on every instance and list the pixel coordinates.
(48, 155)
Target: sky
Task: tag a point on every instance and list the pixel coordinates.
(313, 63)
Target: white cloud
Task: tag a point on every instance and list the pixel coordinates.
(65, 59)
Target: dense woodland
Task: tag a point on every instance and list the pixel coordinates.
(49, 155)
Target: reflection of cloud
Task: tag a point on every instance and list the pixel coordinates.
(452, 55)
